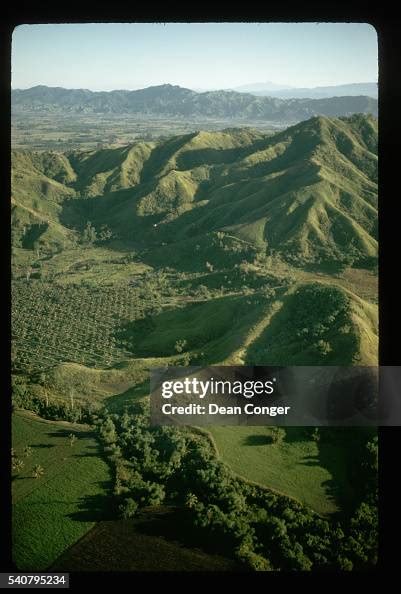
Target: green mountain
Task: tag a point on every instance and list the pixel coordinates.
(211, 248)
(175, 101)
(308, 193)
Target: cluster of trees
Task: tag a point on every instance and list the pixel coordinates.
(91, 235)
(263, 530)
(155, 465)
(46, 407)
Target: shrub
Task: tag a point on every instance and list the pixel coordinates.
(128, 508)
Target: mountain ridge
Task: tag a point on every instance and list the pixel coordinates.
(369, 89)
(176, 101)
(308, 192)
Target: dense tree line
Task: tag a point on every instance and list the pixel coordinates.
(266, 531)
(263, 530)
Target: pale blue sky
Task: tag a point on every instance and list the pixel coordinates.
(210, 55)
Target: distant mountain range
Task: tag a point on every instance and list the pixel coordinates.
(260, 86)
(175, 101)
(370, 89)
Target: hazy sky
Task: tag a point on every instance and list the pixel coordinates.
(210, 55)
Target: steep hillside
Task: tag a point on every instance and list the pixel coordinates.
(171, 100)
(308, 193)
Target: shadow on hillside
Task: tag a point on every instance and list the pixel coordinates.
(100, 209)
(336, 458)
(296, 434)
(292, 435)
(42, 446)
(65, 433)
(336, 450)
(211, 156)
(198, 323)
(310, 461)
(175, 525)
(333, 487)
(161, 154)
(257, 440)
(91, 451)
(95, 508)
(118, 402)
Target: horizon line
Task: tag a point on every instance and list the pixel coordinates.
(186, 87)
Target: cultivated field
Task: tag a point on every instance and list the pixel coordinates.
(54, 510)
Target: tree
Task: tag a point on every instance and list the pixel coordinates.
(180, 345)
(324, 347)
(128, 508)
(191, 500)
(17, 465)
(27, 451)
(372, 458)
(202, 292)
(89, 234)
(71, 391)
(38, 471)
(186, 359)
(108, 431)
(105, 233)
(36, 247)
(277, 434)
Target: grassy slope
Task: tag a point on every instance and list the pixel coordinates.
(310, 189)
(293, 468)
(308, 192)
(52, 512)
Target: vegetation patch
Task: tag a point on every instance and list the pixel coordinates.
(60, 484)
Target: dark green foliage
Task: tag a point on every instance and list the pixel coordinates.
(128, 508)
(89, 234)
(57, 410)
(264, 531)
(310, 330)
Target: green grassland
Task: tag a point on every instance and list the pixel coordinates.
(228, 247)
(53, 511)
(296, 467)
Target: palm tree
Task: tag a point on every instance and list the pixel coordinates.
(27, 451)
(17, 464)
(38, 471)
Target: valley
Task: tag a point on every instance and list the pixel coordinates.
(215, 246)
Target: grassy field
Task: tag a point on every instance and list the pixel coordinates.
(53, 511)
(297, 467)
